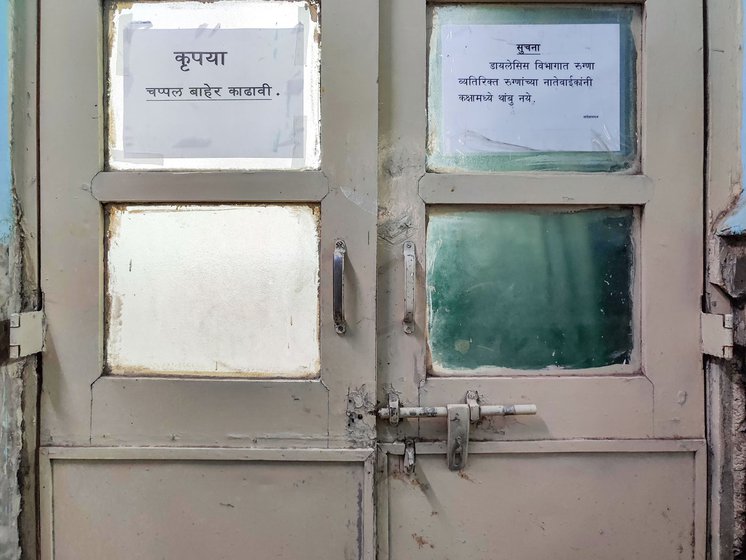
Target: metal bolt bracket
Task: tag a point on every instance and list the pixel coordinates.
(472, 400)
(409, 456)
(458, 436)
(393, 409)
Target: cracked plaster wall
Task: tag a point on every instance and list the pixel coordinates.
(11, 409)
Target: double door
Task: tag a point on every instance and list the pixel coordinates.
(364, 279)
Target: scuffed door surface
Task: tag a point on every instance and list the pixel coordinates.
(181, 510)
(564, 506)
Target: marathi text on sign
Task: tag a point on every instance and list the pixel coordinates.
(528, 88)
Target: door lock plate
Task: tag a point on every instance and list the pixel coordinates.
(458, 436)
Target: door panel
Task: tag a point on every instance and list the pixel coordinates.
(670, 250)
(668, 254)
(133, 456)
(594, 501)
(189, 272)
(528, 74)
(601, 497)
(620, 408)
(149, 88)
(515, 290)
(210, 505)
(73, 239)
(196, 414)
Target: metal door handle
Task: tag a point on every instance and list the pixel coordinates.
(410, 264)
(340, 324)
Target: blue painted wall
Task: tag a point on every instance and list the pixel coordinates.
(10, 383)
(734, 222)
(743, 89)
(6, 198)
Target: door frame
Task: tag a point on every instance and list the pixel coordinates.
(718, 191)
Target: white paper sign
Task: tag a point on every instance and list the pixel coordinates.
(518, 88)
(222, 93)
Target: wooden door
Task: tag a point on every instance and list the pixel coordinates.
(556, 217)
(546, 273)
(205, 393)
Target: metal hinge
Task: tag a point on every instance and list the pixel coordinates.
(717, 335)
(26, 334)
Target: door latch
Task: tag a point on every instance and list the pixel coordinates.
(458, 436)
(460, 417)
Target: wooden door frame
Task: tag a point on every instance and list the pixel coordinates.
(723, 192)
(724, 87)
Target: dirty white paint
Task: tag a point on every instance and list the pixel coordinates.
(251, 103)
(213, 290)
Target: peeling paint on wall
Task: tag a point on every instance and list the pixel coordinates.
(11, 417)
(6, 198)
(10, 446)
(734, 222)
(361, 407)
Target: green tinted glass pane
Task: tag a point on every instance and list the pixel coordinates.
(532, 88)
(529, 289)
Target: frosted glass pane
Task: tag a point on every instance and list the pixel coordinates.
(213, 290)
(529, 289)
(214, 85)
(532, 88)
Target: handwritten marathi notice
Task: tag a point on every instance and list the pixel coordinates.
(218, 93)
(517, 88)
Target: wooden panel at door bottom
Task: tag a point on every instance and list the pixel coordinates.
(255, 504)
(560, 505)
